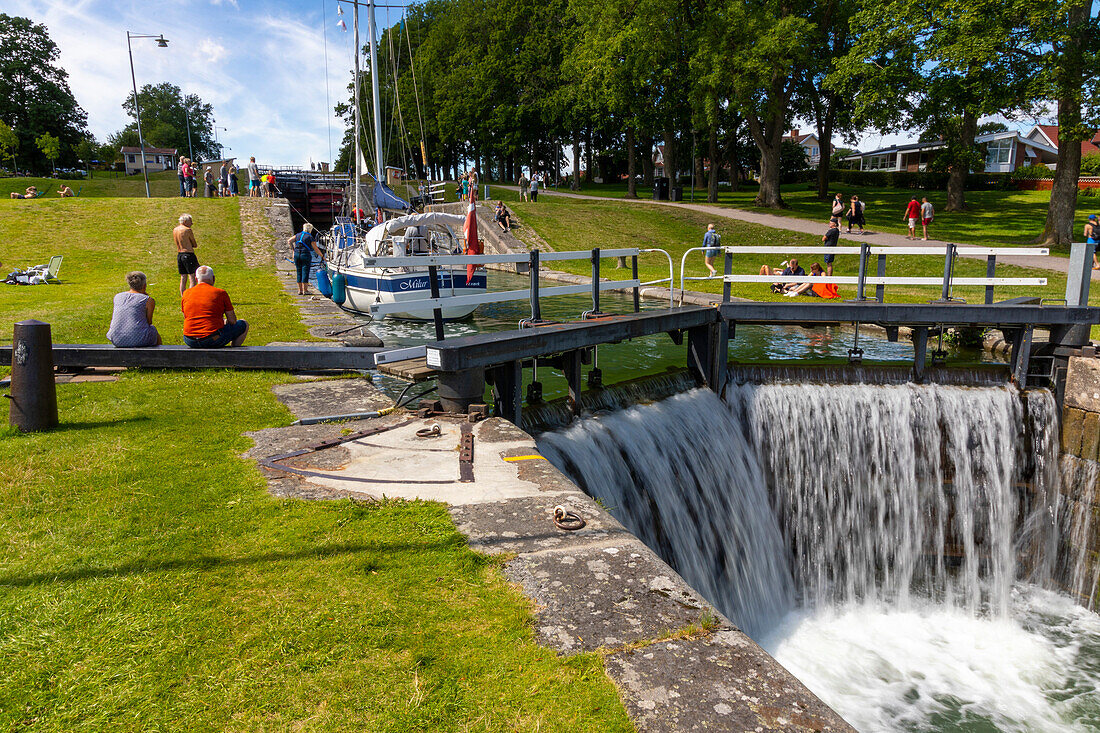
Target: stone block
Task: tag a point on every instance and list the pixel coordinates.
(1083, 383)
(722, 681)
(1073, 422)
(1090, 436)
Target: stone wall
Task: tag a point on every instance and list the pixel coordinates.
(1080, 522)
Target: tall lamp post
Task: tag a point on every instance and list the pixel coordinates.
(187, 119)
(162, 42)
(218, 145)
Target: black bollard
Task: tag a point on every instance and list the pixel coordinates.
(33, 395)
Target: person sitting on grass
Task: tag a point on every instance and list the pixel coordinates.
(32, 193)
(814, 290)
(132, 318)
(791, 269)
(503, 217)
(209, 321)
(65, 192)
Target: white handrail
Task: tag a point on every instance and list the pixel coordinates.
(502, 296)
(875, 280)
(671, 279)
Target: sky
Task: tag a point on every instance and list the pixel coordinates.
(260, 63)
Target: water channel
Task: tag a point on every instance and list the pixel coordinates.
(762, 502)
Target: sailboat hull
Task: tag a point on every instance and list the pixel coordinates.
(367, 287)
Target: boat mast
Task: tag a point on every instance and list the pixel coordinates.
(356, 147)
(374, 90)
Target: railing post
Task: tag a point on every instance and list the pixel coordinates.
(948, 266)
(437, 313)
(1079, 274)
(990, 269)
(726, 270)
(595, 280)
(864, 251)
(880, 289)
(634, 276)
(533, 272)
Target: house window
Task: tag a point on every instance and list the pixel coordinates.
(880, 162)
(998, 152)
(131, 158)
(813, 152)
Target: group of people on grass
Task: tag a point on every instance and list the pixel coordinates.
(223, 186)
(32, 192)
(209, 320)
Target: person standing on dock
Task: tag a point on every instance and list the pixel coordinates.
(186, 261)
(253, 178)
(712, 241)
(304, 245)
(830, 238)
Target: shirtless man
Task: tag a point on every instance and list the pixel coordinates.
(185, 253)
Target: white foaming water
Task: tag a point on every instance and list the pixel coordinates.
(898, 518)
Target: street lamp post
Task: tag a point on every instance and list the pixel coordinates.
(162, 42)
(187, 119)
(218, 145)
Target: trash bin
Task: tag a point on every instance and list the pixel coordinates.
(660, 189)
(676, 193)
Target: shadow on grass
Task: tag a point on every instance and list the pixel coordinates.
(66, 427)
(212, 562)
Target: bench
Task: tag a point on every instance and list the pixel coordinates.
(279, 358)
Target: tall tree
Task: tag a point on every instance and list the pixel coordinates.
(937, 66)
(34, 90)
(50, 145)
(166, 116)
(9, 143)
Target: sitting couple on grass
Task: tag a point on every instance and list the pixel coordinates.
(827, 291)
(209, 321)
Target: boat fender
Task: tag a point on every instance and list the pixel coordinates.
(323, 285)
(339, 289)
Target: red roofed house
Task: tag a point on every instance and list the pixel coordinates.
(1048, 135)
(156, 159)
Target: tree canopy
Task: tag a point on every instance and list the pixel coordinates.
(166, 115)
(35, 98)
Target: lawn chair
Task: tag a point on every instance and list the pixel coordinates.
(77, 194)
(53, 268)
(40, 194)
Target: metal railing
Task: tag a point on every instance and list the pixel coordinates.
(880, 280)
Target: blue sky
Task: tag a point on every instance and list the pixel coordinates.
(260, 63)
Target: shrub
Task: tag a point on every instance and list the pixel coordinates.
(924, 180)
(1090, 165)
(1032, 173)
(1089, 192)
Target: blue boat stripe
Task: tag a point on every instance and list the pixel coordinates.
(412, 284)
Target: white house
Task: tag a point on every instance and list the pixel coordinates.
(156, 159)
(810, 144)
(1004, 153)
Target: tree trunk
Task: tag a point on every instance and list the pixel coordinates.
(589, 171)
(825, 152)
(575, 184)
(670, 157)
(647, 163)
(956, 180)
(631, 185)
(712, 153)
(768, 137)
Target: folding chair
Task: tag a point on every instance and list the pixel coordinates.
(53, 268)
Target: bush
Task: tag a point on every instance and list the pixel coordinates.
(1090, 165)
(924, 180)
(1089, 192)
(70, 176)
(1032, 173)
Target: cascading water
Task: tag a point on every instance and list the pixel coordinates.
(872, 537)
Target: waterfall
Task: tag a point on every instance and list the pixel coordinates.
(825, 495)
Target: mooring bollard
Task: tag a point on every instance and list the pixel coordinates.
(33, 395)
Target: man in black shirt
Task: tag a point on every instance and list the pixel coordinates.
(832, 235)
(791, 268)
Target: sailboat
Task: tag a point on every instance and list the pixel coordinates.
(357, 281)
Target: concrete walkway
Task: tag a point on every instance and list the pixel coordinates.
(806, 226)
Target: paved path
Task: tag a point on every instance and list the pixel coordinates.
(805, 226)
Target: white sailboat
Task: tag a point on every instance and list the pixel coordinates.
(357, 283)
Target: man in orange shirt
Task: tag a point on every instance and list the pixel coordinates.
(208, 318)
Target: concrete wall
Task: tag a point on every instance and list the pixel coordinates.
(1081, 440)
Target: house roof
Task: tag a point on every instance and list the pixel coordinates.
(1050, 133)
(149, 151)
(906, 148)
(1009, 134)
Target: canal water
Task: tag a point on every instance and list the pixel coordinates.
(655, 354)
(871, 537)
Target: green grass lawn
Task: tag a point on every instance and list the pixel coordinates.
(995, 218)
(102, 239)
(148, 581)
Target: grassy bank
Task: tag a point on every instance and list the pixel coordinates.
(995, 218)
(572, 224)
(148, 581)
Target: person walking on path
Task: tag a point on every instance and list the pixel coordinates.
(1092, 236)
(912, 213)
(855, 215)
(132, 317)
(186, 261)
(534, 188)
(711, 241)
(209, 321)
(926, 215)
(253, 178)
(838, 208)
(830, 238)
(304, 245)
(524, 187)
